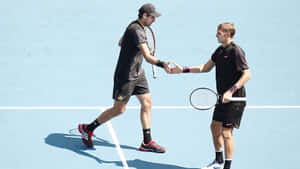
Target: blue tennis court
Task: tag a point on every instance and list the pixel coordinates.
(57, 63)
(41, 139)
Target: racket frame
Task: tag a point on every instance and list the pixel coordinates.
(218, 98)
(202, 88)
(153, 52)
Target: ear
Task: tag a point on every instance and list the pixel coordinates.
(227, 35)
(145, 15)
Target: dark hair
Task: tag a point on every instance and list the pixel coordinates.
(141, 15)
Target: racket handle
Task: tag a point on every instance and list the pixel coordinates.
(154, 71)
(238, 99)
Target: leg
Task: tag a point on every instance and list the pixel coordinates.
(117, 109)
(228, 142)
(229, 146)
(121, 95)
(216, 130)
(146, 104)
(87, 130)
(148, 144)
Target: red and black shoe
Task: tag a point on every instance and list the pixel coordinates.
(86, 136)
(152, 147)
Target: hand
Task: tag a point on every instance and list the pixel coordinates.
(177, 69)
(227, 96)
(167, 67)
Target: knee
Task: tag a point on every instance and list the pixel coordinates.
(147, 104)
(227, 134)
(119, 110)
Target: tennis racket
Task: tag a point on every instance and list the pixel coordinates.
(205, 98)
(151, 45)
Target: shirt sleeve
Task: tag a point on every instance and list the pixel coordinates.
(214, 55)
(240, 60)
(139, 37)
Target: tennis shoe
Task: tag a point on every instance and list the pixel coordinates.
(86, 136)
(214, 165)
(152, 147)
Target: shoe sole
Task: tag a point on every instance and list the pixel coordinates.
(150, 150)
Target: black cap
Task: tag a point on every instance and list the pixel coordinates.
(149, 9)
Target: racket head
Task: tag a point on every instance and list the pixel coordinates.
(150, 39)
(151, 45)
(203, 98)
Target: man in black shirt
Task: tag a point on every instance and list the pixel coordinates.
(129, 79)
(232, 72)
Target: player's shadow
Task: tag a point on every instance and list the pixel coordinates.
(141, 164)
(73, 143)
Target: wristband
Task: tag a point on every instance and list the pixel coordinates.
(234, 89)
(186, 70)
(160, 64)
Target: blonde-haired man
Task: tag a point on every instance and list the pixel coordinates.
(232, 72)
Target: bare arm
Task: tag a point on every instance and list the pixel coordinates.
(243, 79)
(151, 59)
(203, 68)
(145, 50)
(207, 67)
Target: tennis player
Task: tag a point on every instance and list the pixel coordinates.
(232, 72)
(129, 79)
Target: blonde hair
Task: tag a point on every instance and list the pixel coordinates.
(227, 28)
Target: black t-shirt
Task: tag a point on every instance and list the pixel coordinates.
(129, 65)
(230, 62)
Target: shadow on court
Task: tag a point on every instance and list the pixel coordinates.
(141, 164)
(73, 143)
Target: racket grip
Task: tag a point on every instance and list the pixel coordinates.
(154, 71)
(238, 99)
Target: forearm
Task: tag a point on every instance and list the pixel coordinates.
(201, 68)
(148, 56)
(154, 61)
(244, 78)
(150, 59)
(196, 69)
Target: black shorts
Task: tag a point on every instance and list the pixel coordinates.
(124, 89)
(230, 114)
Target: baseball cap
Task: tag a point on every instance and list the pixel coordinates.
(149, 9)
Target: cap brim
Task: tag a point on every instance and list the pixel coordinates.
(155, 14)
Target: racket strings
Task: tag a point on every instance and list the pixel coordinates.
(203, 99)
(150, 40)
(151, 45)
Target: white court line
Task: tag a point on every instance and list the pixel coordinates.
(117, 144)
(130, 107)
